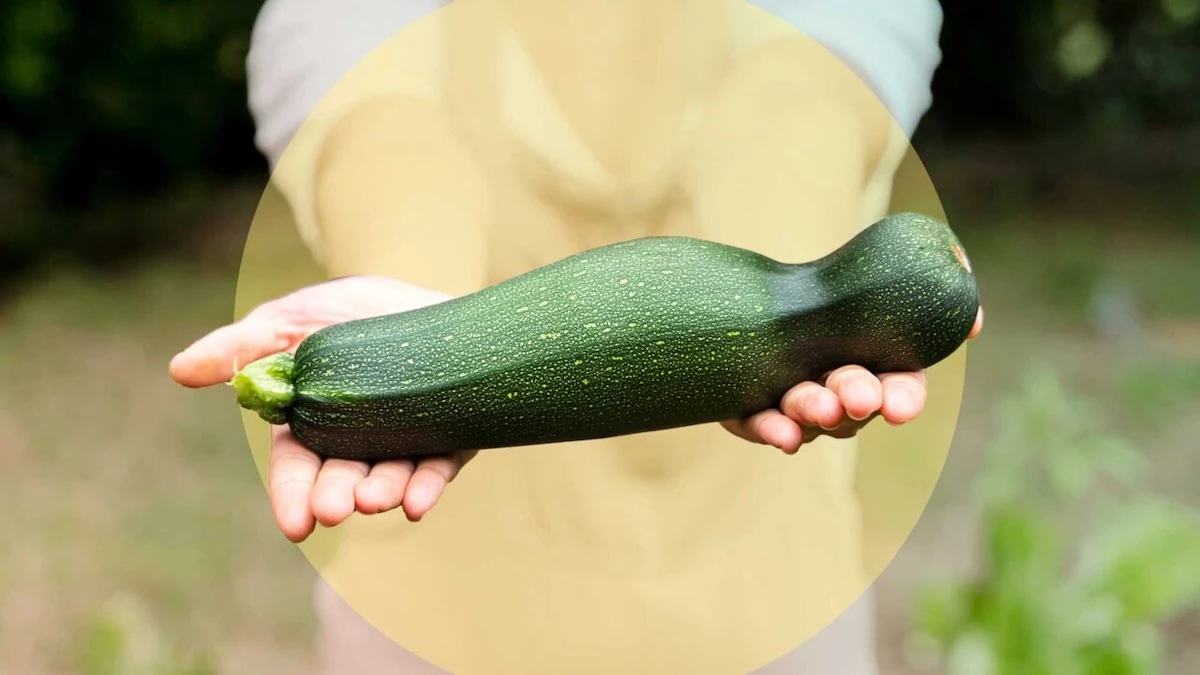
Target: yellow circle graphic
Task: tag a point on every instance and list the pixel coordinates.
(490, 138)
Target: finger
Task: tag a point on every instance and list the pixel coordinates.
(776, 429)
(860, 392)
(333, 496)
(978, 327)
(383, 488)
(904, 396)
(427, 483)
(739, 427)
(210, 360)
(768, 427)
(809, 403)
(291, 473)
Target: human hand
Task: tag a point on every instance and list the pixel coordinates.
(304, 489)
(847, 401)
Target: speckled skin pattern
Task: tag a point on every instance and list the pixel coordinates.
(643, 335)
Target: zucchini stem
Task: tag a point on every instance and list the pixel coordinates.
(265, 386)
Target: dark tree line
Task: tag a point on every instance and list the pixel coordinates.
(1068, 67)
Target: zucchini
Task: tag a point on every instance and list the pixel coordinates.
(638, 336)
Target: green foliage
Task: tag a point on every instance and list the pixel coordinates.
(1048, 604)
(1157, 390)
(104, 100)
(1089, 68)
(123, 639)
(106, 95)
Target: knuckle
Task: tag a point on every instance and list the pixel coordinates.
(289, 482)
(845, 375)
(799, 396)
(441, 468)
(755, 424)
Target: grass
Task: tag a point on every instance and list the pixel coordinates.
(138, 524)
(121, 487)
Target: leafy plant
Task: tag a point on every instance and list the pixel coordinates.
(105, 101)
(1046, 603)
(123, 639)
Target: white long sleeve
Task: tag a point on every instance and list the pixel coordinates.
(300, 49)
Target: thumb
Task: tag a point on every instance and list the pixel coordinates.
(211, 359)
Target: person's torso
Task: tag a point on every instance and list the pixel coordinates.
(654, 544)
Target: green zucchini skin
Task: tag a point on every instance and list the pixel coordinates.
(643, 335)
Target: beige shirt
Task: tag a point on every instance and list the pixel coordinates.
(685, 551)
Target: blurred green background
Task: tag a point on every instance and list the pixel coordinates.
(1062, 539)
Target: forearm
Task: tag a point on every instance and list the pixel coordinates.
(399, 195)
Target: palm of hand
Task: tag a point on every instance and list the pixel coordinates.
(306, 490)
